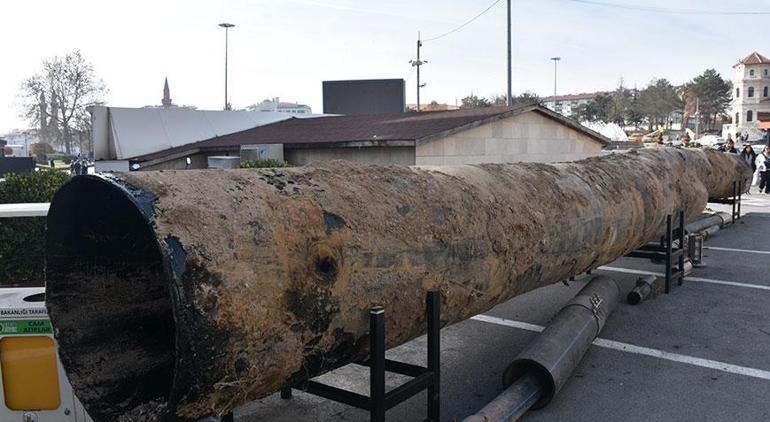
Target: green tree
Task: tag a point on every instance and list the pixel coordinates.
(634, 114)
(473, 101)
(594, 110)
(711, 94)
(524, 99)
(657, 101)
(55, 99)
(527, 98)
(23, 239)
(619, 105)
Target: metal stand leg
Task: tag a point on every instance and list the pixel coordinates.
(668, 252)
(680, 236)
(377, 360)
(433, 312)
(379, 401)
(740, 196)
(735, 195)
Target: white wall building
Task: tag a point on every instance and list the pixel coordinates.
(120, 134)
(276, 106)
(20, 141)
(751, 95)
(565, 103)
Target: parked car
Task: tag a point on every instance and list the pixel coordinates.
(711, 141)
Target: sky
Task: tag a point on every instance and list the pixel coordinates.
(286, 48)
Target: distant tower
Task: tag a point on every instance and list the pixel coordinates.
(166, 101)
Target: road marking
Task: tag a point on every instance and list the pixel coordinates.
(640, 350)
(688, 278)
(714, 248)
(508, 323)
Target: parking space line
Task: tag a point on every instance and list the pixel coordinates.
(640, 350)
(715, 248)
(688, 278)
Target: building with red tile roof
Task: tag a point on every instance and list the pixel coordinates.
(751, 96)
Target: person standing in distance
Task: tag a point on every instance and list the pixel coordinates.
(763, 166)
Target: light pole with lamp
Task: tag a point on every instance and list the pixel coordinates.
(555, 63)
(227, 27)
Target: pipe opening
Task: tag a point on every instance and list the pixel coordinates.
(108, 298)
(634, 297)
(521, 368)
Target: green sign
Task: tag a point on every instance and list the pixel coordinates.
(24, 326)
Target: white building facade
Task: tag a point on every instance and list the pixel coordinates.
(276, 106)
(751, 96)
(20, 141)
(566, 103)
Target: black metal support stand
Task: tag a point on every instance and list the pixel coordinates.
(379, 401)
(734, 200)
(666, 251)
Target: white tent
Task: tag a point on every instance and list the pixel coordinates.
(122, 133)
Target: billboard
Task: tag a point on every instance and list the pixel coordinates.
(370, 96)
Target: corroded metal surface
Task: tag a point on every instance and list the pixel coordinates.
(266, 276)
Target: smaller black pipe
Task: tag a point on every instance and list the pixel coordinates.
(545, 365)
(512, 403)
(704, 223)
(644, 286)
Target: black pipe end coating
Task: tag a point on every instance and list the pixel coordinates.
(634, 297)
(108, 296)
(520, 367)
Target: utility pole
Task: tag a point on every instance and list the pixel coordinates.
(509, 98)
(418, 63)
(697, 118)
(555, 62)
(227, 27)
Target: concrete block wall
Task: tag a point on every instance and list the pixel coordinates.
(197, 161)
(368, 155)
(529, 137)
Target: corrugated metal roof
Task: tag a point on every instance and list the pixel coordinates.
(140, 131)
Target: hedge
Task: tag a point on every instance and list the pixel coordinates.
(264, 163)
(22, 240)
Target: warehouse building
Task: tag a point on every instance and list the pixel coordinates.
(120, 133)
(487, 135)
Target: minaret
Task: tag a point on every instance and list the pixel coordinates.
(166, 101)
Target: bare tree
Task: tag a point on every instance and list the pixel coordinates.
(55, 99)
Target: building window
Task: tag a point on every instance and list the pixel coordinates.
(749, 116)
(764, 93)
(765, 72)
(751, 72)
(737, 93)
(737, 118)
(751, 91)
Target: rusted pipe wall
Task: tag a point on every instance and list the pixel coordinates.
(197, 291)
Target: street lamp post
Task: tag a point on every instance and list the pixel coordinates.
(227, 27)
(509, 95)
(555, 63)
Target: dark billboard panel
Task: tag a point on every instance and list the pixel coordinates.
(372, 96)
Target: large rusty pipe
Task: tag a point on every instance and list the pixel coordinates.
(198, 291)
